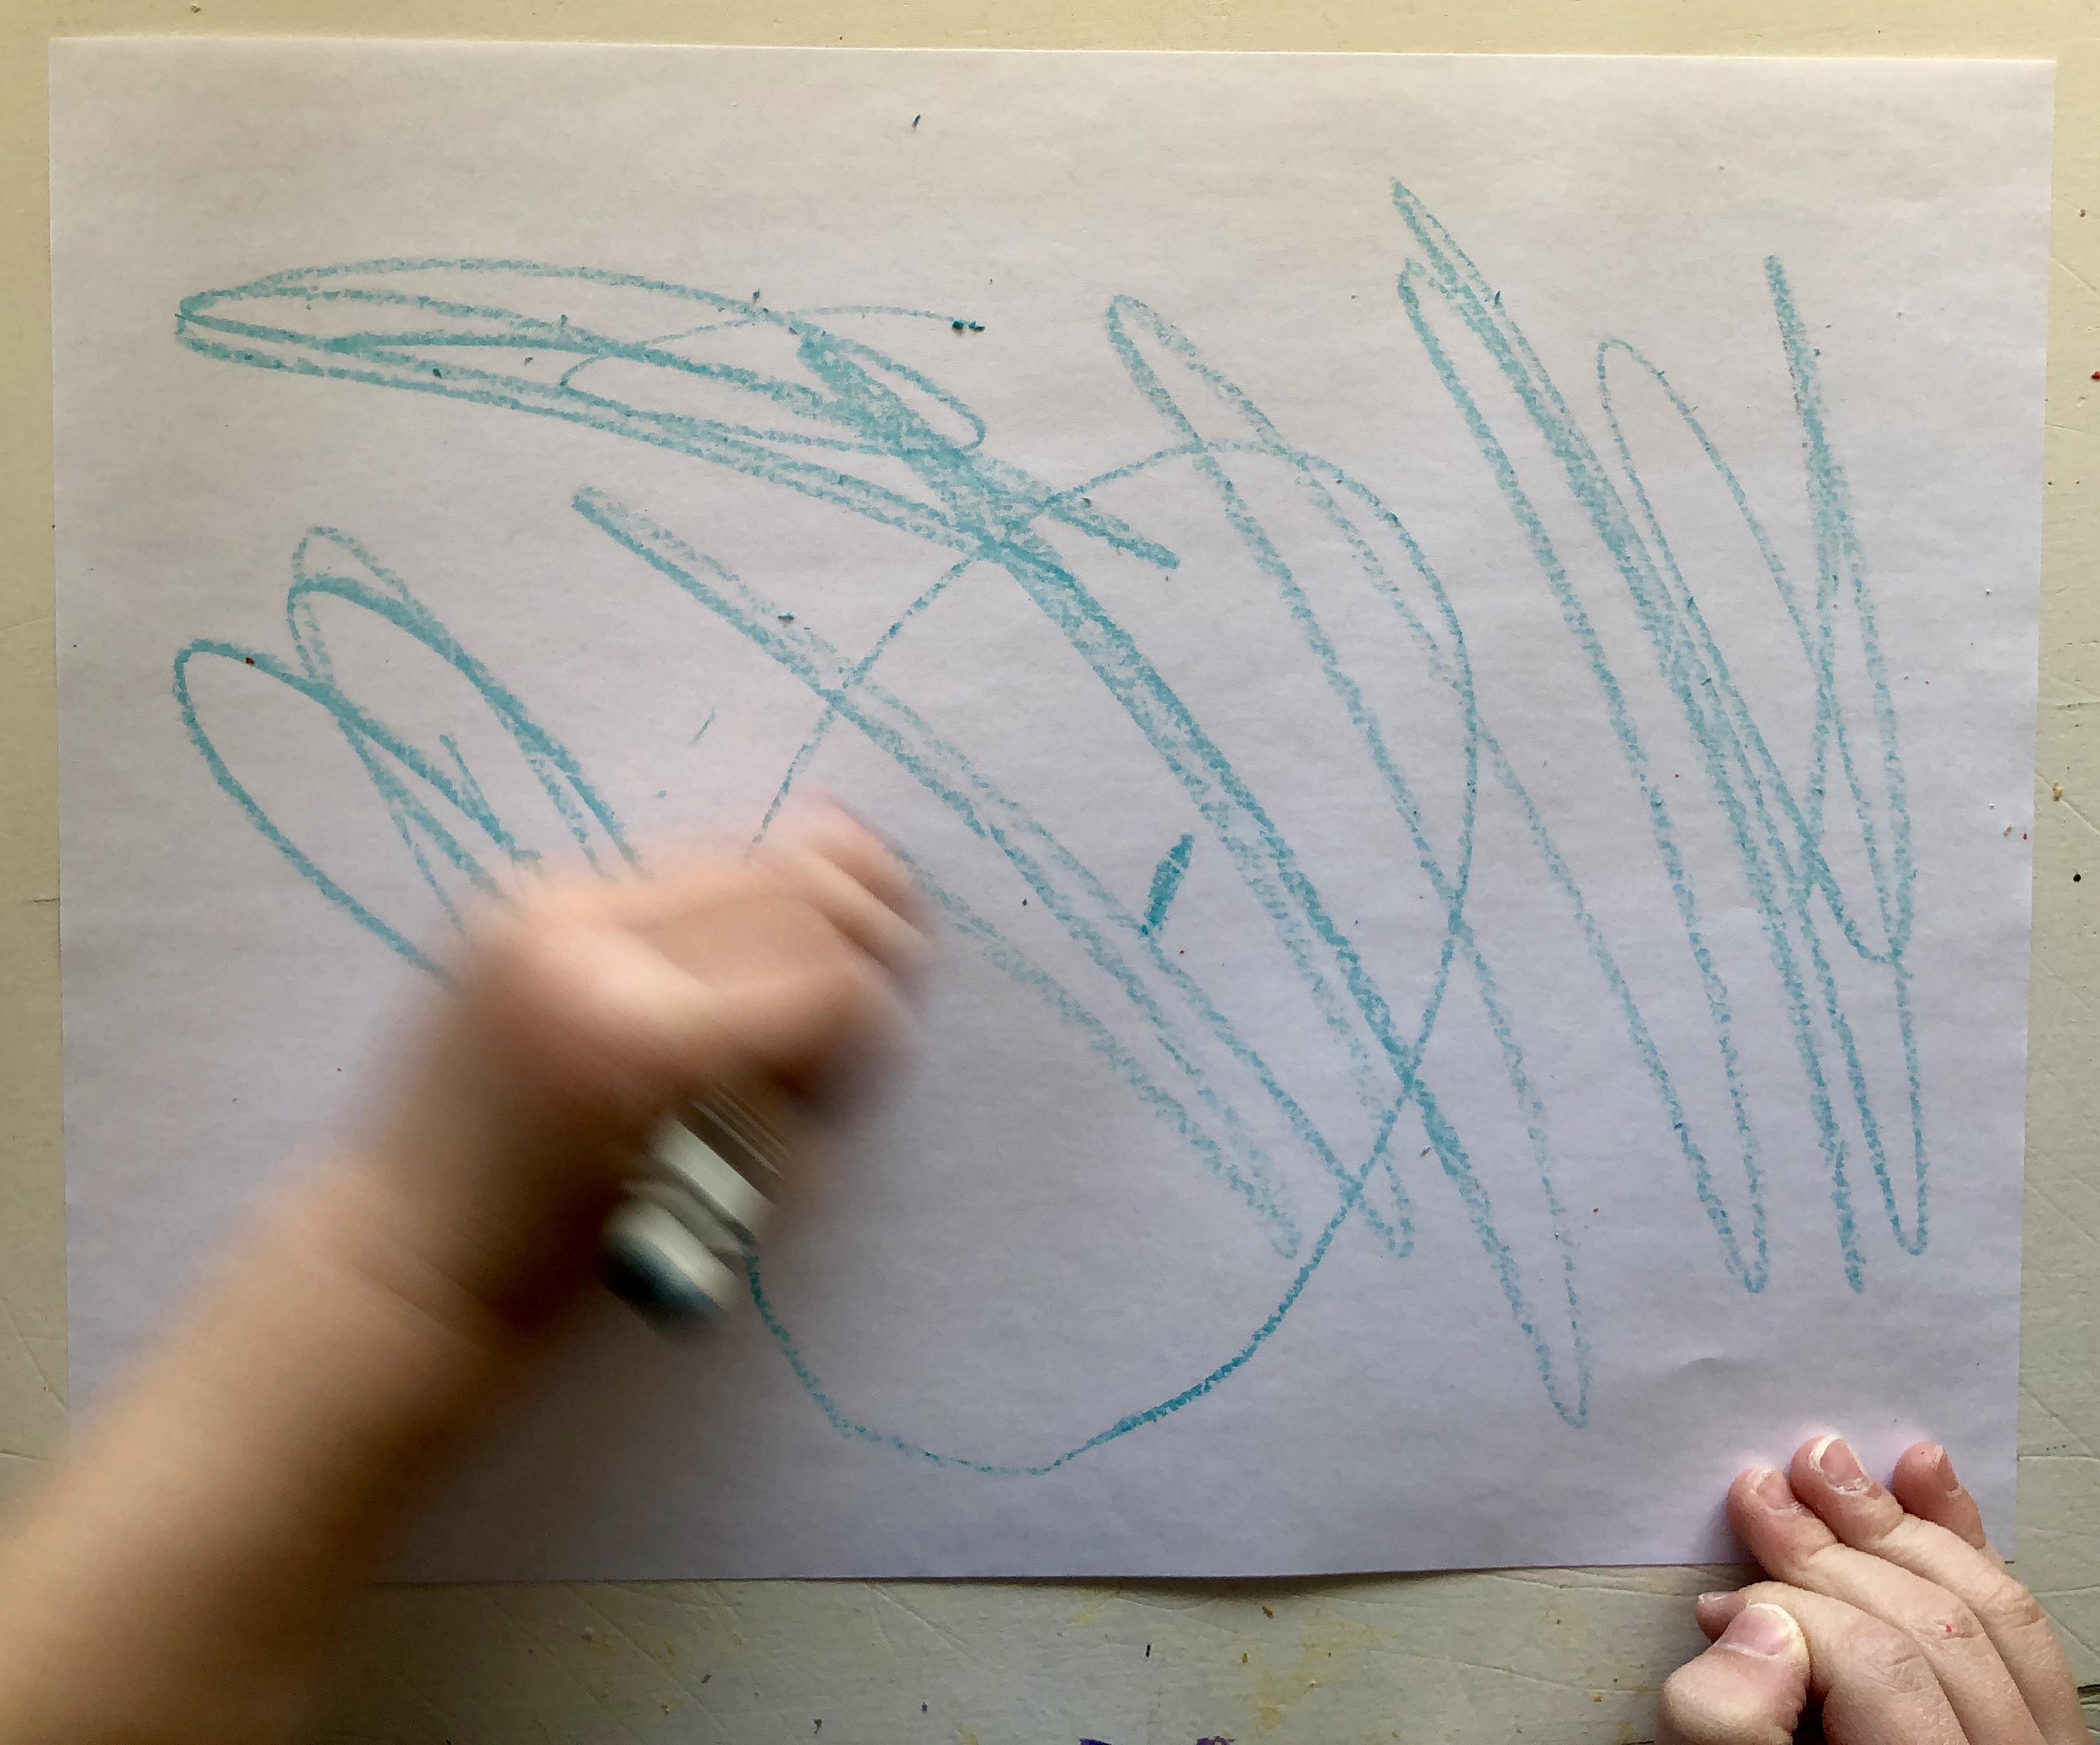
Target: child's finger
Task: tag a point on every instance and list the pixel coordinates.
(1830, 1479)
(638, 1023)
(1749, 1689)
(786, 1021)
(594, 1016)
(691, 892)
(1795, 1546)
(856, 909)
(1926, 1485)
(681, 883)
(825, 827)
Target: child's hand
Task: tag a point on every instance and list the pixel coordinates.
(1891, 1610)
(589, 1010)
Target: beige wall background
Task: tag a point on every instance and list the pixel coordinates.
(1567, 1655)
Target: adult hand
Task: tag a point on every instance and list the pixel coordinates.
(1887, 1607)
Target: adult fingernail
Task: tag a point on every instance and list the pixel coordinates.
(1840, 1466)
(1773, 1490)
(1715, 1598)
(1945, 1468)
(1714, 1610)
(1760, 1630)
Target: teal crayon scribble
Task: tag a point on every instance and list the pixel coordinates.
(1166, 878)
(408, 778)
(834, 421)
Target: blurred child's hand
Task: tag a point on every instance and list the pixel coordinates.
(178, 1580)
(588, 1010)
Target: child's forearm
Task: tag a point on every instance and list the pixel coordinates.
(178, 1580)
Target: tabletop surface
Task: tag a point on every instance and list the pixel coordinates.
(1569, 1655)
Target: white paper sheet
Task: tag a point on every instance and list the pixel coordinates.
(1454, 639)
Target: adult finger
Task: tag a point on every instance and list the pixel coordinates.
(1924, 1484)
(1828, 1476)
(1794, 1546)
(1875, 1684)
(1747, 1689)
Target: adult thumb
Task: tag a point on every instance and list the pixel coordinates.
(1747, 1689)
